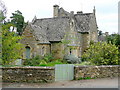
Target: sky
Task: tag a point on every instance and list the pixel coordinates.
(106, 10)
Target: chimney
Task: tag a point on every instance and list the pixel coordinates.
(55, 10)
(79, 12)
(94, 10)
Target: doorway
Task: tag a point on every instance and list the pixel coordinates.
(27, 52)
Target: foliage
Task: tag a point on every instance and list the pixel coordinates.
(33, 61)
(113, 39)
(47, 60)
(53, 63)
(18, 21)
(72, 59)
(100, 33)
(1, 20)
(101, 53)
(85, 78)
(85, 63)
(1, 17)
(11, 48)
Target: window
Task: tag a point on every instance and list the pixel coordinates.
(43, 51)
(70, 51)
(27, 52)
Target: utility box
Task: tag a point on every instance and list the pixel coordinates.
(64, 72)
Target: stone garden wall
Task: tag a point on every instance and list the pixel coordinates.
(96, 71)
(47, 74)
(28, 74)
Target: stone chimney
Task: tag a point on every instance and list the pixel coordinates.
(79, 12)
(55, 10)
(94, 10)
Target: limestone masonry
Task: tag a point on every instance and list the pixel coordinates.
(47, 74)
(48, 35)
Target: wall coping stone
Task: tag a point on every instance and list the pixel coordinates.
(97, 66)
(28, 67)
(39, 67)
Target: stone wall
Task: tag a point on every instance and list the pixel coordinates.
(47, 74)
(85, 42)
(29, 41)
(28, 74)
(57, 50)
(95, 71)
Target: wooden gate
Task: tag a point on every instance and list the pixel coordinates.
(64, 72)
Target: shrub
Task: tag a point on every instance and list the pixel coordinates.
(72, 59)
(52, 63)
(101, 53)
(33, 62)
(47, 60)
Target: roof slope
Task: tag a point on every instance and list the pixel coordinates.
(50, 29)
(54, 29)
(82, 21)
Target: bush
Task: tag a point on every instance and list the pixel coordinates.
(72, 59)
(47, 60)
(33, 62)
(101, 53)
(52, 63)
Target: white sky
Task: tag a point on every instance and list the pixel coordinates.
(106, 10)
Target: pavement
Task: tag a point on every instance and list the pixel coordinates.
(91, 83)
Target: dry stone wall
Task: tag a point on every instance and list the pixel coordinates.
(96, 71)
(47, 74)
(28, 74)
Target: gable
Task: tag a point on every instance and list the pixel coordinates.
(83, 21)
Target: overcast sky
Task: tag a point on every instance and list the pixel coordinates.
(106, 10)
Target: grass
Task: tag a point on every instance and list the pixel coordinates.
(85, 78)
(51, 63)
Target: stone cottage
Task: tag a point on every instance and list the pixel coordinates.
(64, 34)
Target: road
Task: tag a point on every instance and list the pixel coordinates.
(91, 83)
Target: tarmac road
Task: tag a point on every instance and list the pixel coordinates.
(91, 83)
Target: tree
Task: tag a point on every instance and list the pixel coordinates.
(3, 11)
(101, 53)
(100, 33)
(114, 39)
(11, 48)
(18, 21)
(2, 17)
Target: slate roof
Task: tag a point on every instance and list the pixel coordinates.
(82, 21)
(63, 12)
(50, 29)
(53, 29)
